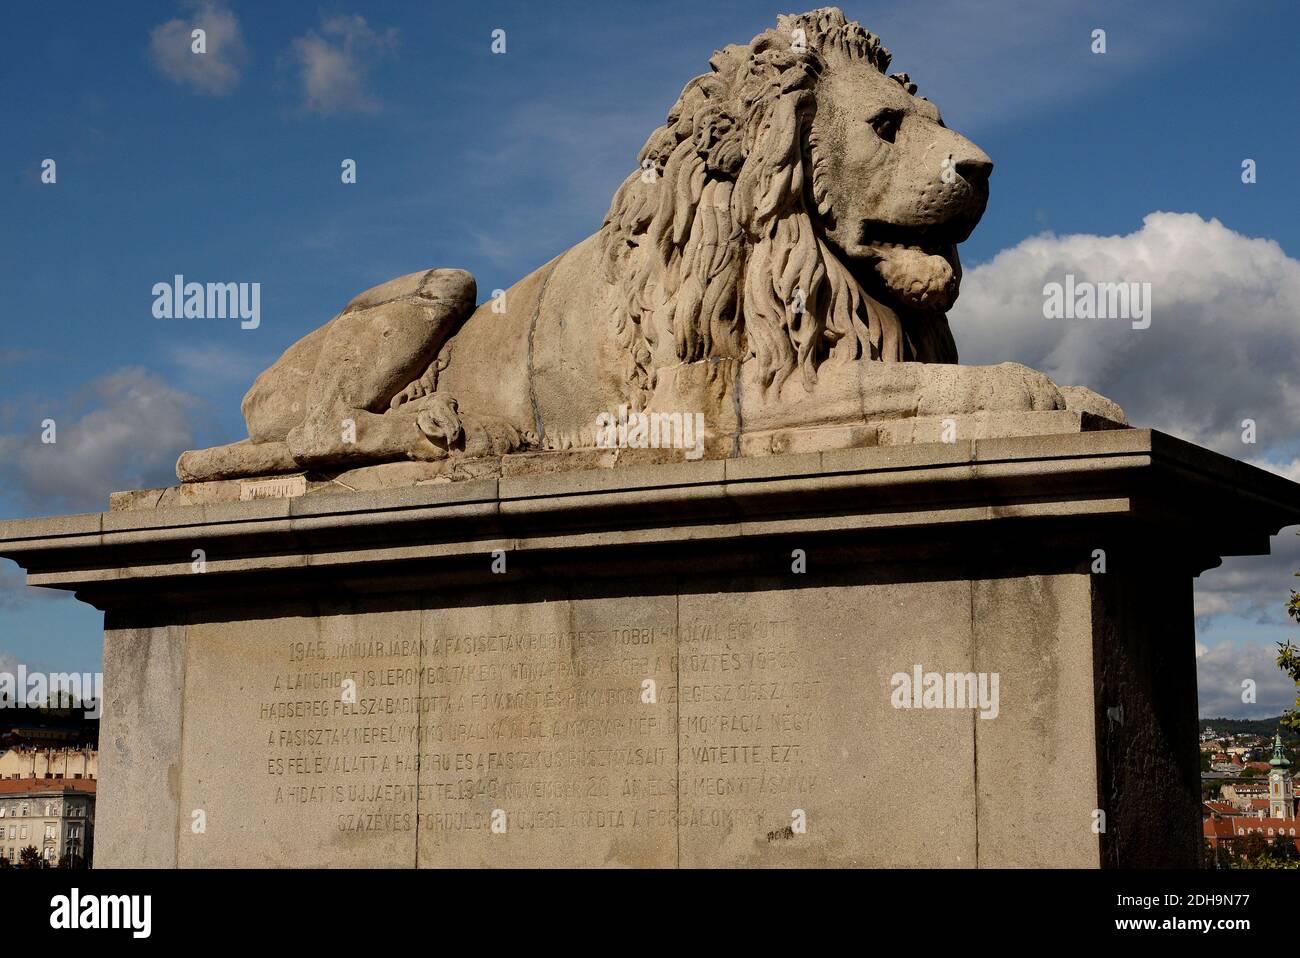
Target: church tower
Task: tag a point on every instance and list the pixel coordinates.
(1280, 802)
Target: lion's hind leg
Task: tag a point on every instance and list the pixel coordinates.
(384, 342)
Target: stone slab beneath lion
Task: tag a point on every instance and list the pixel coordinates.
(1088, 412)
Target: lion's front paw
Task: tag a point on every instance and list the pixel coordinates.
(439, 420)
(448, 431)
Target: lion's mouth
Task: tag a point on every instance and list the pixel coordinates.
(935, 239)
(929, 249)
(916, 266)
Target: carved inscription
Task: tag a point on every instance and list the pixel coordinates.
(344, 731)
(748, 706)
(560, 731)
(493, 745)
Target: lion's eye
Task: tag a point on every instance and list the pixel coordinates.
(886, 125)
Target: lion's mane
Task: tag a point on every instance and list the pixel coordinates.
(713, 234)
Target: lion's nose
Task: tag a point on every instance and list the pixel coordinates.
(965, 158)
(974, 169)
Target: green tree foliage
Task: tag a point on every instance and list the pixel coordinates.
(1288, 660)
(1284, 849)
(29, 857)
(1255, 851)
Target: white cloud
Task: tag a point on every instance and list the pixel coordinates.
(1208, 603)
(217, 69)
(1220, 349)
(1222, 340)
(1220, 671)
(334, 62)
(124, 431)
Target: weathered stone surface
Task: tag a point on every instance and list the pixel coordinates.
(807, 702)
(299, 775)
(138, 815)
(987, 425)
(781, 259)
(906, 430)
(1082, 399)
(538, 720)
(503, 635)
(1038, 756)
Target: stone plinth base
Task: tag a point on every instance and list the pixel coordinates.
(697, 664)
(399, 475)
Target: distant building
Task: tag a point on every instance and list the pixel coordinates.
(1241, 793)
(1281, 797)
(1234, 830)
(56, 816)
(49, 763)
(43, 735)
(1259, 807)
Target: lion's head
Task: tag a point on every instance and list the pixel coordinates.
(799, 206)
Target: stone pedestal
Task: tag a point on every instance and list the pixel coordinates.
(696, 664)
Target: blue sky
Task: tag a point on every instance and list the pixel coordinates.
(494, 163)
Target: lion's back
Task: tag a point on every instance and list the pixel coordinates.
(546, 356)
(487, 368)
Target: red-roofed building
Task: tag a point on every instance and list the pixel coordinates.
(1233, 830)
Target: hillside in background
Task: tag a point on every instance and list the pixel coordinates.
(1265, 726)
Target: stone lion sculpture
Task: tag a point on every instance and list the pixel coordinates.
(781, 260)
